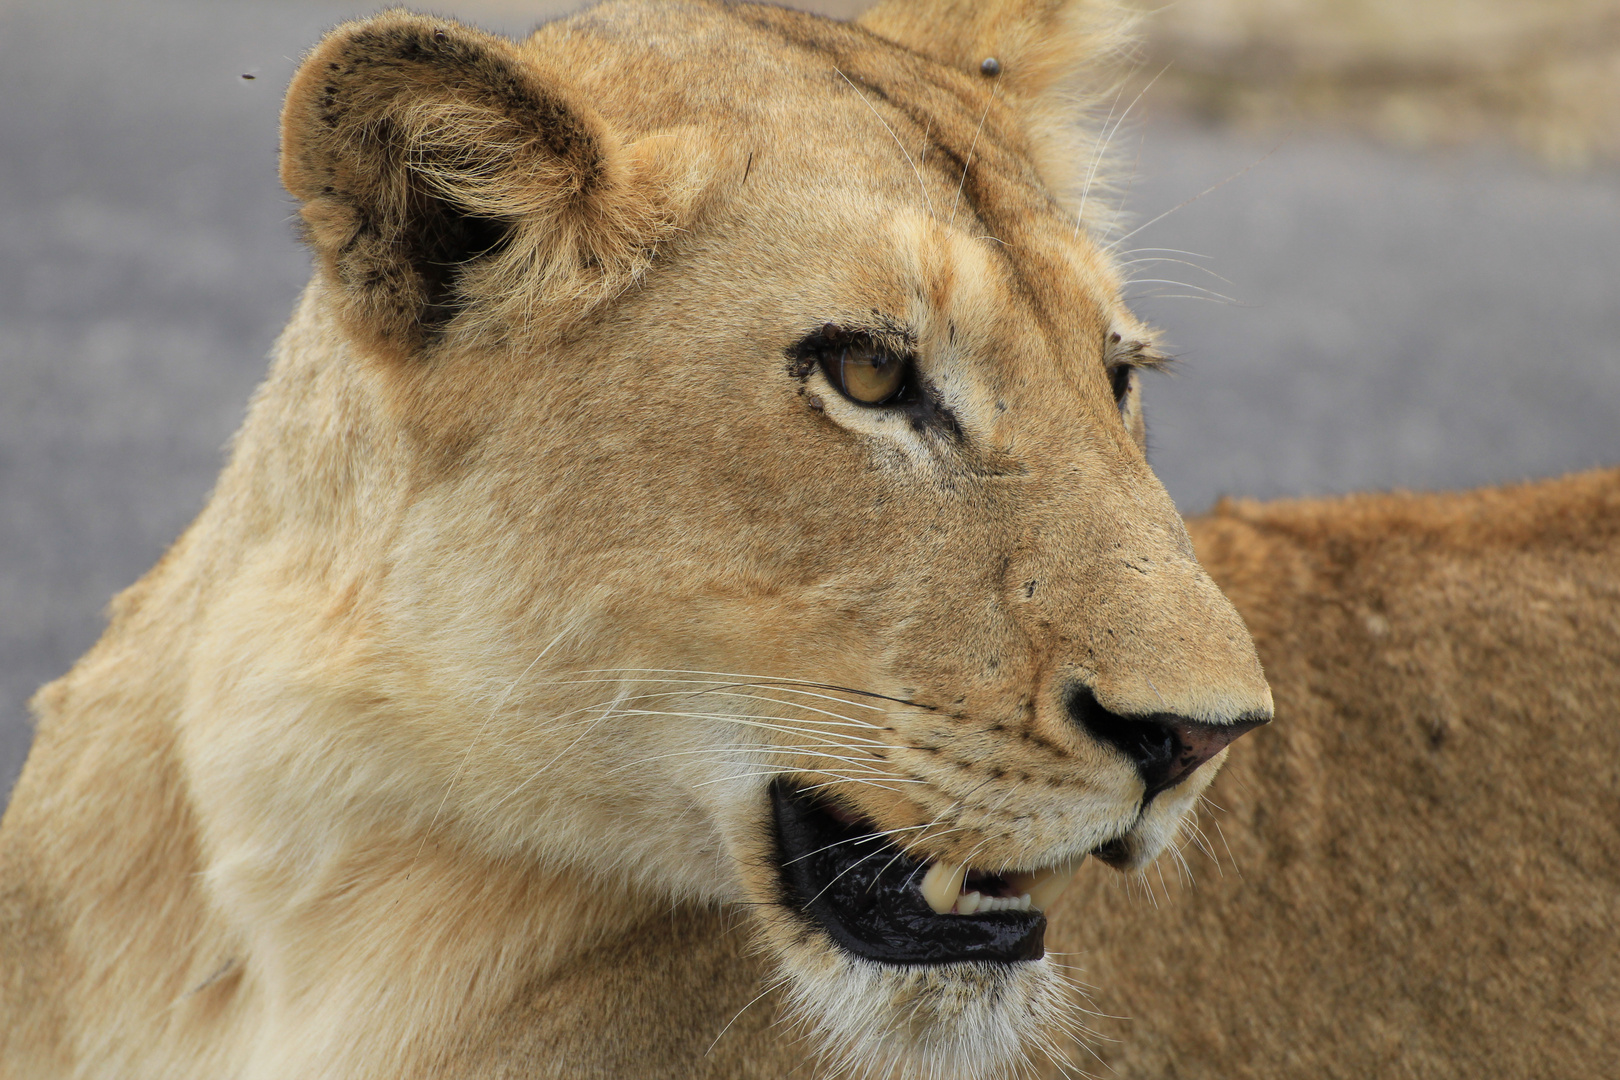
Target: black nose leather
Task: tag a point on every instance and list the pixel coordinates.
(1164, 747)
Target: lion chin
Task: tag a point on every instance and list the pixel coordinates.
(895, 965)
(693, 562)
(964, 1019)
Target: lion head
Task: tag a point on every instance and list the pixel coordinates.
(708, 465)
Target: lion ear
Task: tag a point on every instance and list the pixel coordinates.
(1050, 59)
(1037, 45)
(452, 184)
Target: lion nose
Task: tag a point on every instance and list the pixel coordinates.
(1164, 747)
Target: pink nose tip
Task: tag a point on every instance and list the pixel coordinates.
(1164, 747)
(1196, 743)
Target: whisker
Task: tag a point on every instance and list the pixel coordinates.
(834, 783)
(838, 876)
(824, 697)
(1106, 138)
(1172, 251)
(1182, 285)
(968, 162)
(1236, 869)
(810, 727)
(722, 687)
(854, 840)
(917, 172)
(1200, 195)
(775, 984)
(762, 680)
(1179, 262)
(782, 750)
(1096, 159)
(837, 779)
(1182, 296)
(1204, 845)
(564, 752)
(764, 723)
(467, 753)
(845, 721)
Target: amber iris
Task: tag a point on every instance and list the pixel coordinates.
(865, 374)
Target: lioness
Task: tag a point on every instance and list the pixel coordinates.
(704, 475)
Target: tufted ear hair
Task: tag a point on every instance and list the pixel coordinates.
(1038, 45)
(1053, 59)
(453, 185)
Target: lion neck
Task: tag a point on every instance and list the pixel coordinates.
(271, 886)
(382, 951)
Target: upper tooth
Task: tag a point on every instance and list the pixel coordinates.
(942, 885)
(942, 888)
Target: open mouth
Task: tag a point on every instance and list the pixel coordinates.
(880, 903)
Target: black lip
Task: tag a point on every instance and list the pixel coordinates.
(866, 894)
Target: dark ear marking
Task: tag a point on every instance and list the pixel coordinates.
(1140, 353)
(1119, 379)
(446, 241)
(424, 151)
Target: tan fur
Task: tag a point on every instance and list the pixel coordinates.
(441, 740)
(1418, 859)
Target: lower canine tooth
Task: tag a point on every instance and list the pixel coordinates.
(942, 885)
(1048, 885)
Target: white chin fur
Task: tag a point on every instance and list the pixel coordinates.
(966, 1021)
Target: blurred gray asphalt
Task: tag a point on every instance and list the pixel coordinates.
(1415, 321)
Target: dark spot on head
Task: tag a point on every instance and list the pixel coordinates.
(991, 67)
(248, 77)
(1029, 589)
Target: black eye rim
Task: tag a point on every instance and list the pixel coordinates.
(830, 344)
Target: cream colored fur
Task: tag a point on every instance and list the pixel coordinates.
(439, 744)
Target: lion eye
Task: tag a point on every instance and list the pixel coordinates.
(864, 374)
